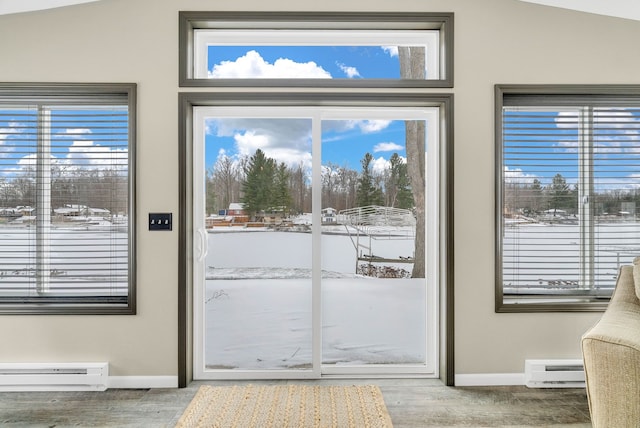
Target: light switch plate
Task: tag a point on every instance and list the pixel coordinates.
(160, 221)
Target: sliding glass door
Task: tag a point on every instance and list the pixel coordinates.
(315, 241)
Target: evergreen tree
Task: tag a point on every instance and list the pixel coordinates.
(399, 183)
(258, 183)
(281, 193)
(559, 193)
(537, 197)
(367, 193)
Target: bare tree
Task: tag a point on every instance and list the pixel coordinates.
(412, 66)
(298, 186)
(349, 182)
(226, 182)
(330, 185)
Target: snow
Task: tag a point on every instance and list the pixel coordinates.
(258, 304)
(548, 255)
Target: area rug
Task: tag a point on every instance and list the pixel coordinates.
(281, 406)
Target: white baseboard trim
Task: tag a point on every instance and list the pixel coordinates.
(135, 382)
(489, 379)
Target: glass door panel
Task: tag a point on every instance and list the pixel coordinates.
(257, 270)
(306, 265)
(373, 292)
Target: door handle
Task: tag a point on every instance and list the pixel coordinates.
(204, 244)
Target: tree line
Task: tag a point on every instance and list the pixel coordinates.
(264, 185)
(534, 198)
(95, 188)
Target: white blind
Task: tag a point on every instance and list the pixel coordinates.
(570, 194)
(64, 199)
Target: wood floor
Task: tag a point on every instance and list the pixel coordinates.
(411, 403)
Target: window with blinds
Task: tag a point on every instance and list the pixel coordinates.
(66, 198)
(568, 194)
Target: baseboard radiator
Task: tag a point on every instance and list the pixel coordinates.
(554, 374)
(54, 376)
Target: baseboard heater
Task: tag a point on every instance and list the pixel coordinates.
(54, 376)
(554, 374)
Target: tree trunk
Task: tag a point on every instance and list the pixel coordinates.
(412, 66)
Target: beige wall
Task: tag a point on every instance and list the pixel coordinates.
(496, 41)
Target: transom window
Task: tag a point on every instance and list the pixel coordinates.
(316, 50)
(66, 168)
(568, 188)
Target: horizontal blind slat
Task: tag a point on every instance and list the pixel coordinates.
(541, 154)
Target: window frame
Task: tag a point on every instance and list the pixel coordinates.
(187, 101)
(317, 113)
(41, 93)
(563, 96)
(190, 22)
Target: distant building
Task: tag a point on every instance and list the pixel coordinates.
(80, 210)
(329, 215)
(236, 209)
(235, 215)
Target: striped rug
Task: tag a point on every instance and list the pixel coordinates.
(281, 406)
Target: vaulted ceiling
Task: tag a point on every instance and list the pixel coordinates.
(629, 9)
(17, 6)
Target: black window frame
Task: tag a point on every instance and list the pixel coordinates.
(41, 94)
(194, 20)
(547, 96)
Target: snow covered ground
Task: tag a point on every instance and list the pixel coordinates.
(258, 304)
(548, 256)
(76, 259)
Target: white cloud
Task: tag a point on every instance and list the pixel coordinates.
(285, 140)
(351, 72)
(252, 65)
(609, 119)
(567, 119)
(365, 126)
(387, 147)
(380, 165)
(73, 132)
(569, 146)
(14, 128)
(248, 142)
(517, 176)
(615, 131)
(87, 153)
(28, 162)
(369, 126)
(633, 181)
(390, 50)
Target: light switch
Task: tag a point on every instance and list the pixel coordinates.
(160, 221)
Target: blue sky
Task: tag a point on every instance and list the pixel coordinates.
(289, 140)
(344, 142)
(354, 62)
(541, 144)
(80, 138)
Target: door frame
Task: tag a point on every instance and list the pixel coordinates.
(189, 100)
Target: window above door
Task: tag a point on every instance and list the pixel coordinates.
(316, 50)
